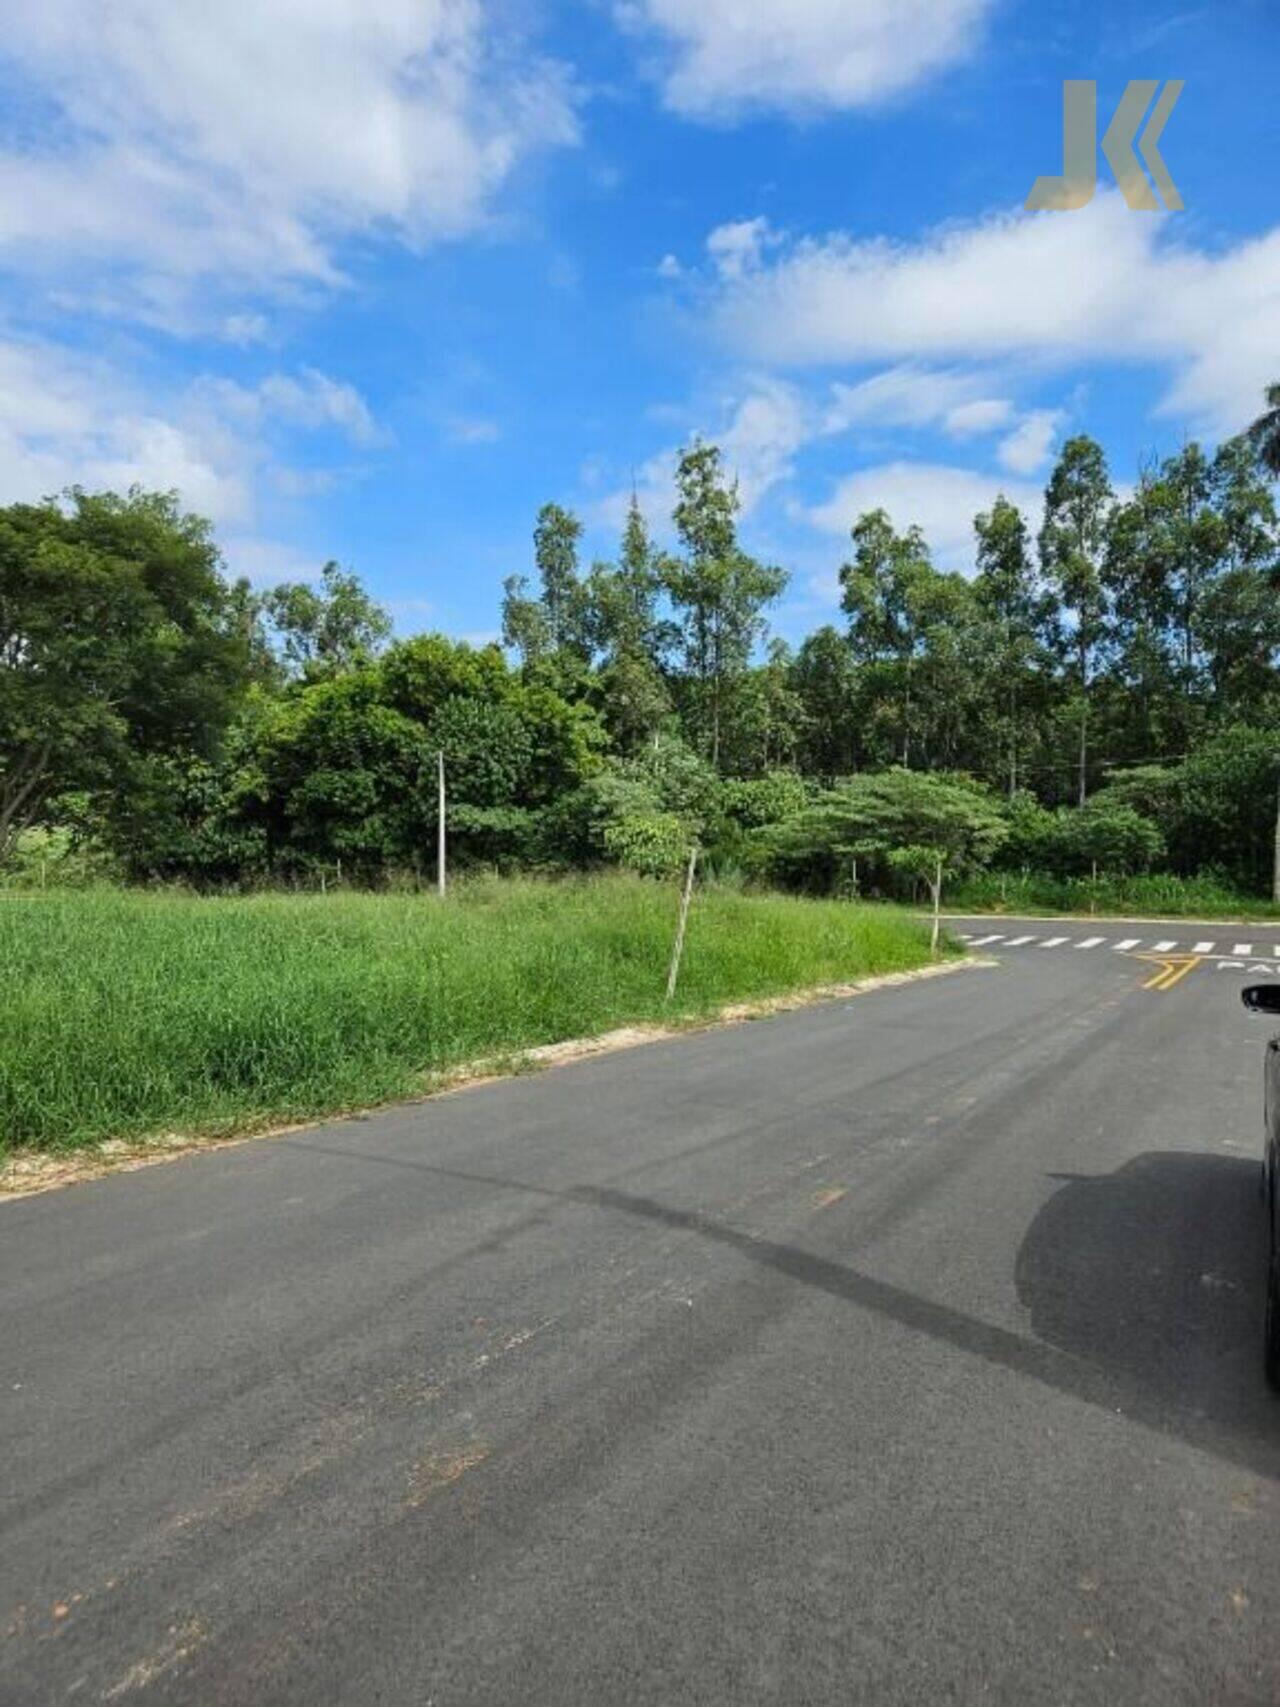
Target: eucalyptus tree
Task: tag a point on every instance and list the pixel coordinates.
(1073, 539)
(1265, 431)
(718, 592)
(1008, 595)
(824, 679)
(880, 595)
(322, 630)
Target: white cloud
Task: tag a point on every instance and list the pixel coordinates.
(983, 415)
(911, 396)
(723, 56)
(239, 142)
(763, 431)
(654, 485)
(738, 247)
(66, 419)
(1026, 449)
(307, 399)
(940, 499)
(669, 268)
(762, 437)
(1101, 284)
(758, 434)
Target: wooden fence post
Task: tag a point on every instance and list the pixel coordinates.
(678, 947)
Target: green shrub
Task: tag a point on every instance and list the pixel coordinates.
(654, 844)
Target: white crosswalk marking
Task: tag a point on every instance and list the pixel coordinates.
(1242, 952)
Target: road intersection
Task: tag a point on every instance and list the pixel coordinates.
(1251, 950)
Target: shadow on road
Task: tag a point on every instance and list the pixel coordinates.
(1145, 1288)
(1155, 1275)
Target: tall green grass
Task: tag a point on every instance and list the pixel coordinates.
(1159, 893)
(128, 1014)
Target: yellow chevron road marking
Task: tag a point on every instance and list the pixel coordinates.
(1173, 969)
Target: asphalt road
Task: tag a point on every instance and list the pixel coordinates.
(905, 1349)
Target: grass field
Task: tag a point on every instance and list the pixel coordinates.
(1146, 895)
(127, 1014)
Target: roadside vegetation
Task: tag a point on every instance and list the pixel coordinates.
(127, 1014)
(219, 804)
(1107, 688)
(1158, 895)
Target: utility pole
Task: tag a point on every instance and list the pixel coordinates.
(1275, 856)
(441, 880)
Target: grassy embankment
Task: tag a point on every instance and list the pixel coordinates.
(127, 1015)
(1155, 895)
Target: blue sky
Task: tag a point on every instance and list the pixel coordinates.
(372, 279)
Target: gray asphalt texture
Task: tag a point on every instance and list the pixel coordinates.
(901, 1349)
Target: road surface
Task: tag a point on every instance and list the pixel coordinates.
(902, 1349)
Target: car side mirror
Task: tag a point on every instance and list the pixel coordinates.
(1262, 998)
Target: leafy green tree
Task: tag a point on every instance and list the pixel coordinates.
(422, 673)
(622, 598)
(1153, 789)
(718, 591)
(117, 640)
(1226, 808)
(559, 743)
(1190, 569)
(763, 719)
(1016, 610)
(1265, 431)
(524, 621)
(182, 820)
(1239, 615)
(655, 844)
(914, 632)
(343, 777)
(326, 629)
(556, 621)
(824, 679)
(880, 594)
(928, 825)
(1077, 505)
(1106, 835)
(1029, 843)
(621, 604)
(756, 802)
(555, 550)
(633, 700)
(666, 779)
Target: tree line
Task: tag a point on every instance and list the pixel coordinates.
(1104, 694)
